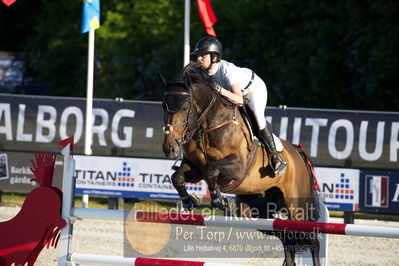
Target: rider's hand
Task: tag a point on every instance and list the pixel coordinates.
(218, 89)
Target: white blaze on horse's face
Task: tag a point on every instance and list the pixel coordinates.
(204, 60)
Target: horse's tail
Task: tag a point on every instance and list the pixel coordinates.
(314, 185)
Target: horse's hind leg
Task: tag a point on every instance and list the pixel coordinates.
(186, 174)
(211, 177)
(289, 257)
(315, 250)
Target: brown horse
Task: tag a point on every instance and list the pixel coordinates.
(217, 146)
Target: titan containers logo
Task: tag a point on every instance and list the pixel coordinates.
(377, 191)
(124, 177)
(343, 189)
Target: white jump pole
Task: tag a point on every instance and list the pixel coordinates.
(68, 186)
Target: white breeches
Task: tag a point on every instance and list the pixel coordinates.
(257, 101)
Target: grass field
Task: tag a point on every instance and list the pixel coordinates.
(17, 198)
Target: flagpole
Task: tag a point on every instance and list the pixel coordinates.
(89, 94)
(186, 33)
(89, 105)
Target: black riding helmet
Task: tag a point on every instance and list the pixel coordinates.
(209, 45)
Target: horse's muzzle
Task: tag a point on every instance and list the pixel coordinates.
(171, 150)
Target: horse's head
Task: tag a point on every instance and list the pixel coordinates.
(178, 113)
(182, 103)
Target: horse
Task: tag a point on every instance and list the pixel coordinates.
(218, 147)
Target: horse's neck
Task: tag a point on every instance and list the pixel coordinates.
(221, 114)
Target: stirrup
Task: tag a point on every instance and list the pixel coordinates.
(281, 167)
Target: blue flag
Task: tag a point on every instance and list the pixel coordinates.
(91, 15)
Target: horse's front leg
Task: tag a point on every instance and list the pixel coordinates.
(182, 175)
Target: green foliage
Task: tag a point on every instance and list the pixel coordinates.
(321, 54)
(137, 39)
(326, 54)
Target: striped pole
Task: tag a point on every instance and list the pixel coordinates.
(268, 224)
(91, 259)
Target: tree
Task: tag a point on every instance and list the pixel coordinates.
(322, 54)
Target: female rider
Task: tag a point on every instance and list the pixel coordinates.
(235, 83)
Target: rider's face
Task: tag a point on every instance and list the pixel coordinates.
(204, 60)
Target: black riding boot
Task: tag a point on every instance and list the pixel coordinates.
(277, 163)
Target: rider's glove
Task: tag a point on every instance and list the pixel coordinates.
(218, 89)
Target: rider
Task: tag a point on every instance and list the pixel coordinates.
(235, 83)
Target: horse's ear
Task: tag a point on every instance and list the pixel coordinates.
(162, 78)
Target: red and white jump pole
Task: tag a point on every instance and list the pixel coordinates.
(269, 224)
(117, 260)
(248, 223)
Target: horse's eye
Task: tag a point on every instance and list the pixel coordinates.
(185, 108)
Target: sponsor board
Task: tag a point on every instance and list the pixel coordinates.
(334, 138)
(15, 173)
(151, 178)
(379, 191)
(129, 177)
(339, 188)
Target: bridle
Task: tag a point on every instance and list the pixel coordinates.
(187, 134)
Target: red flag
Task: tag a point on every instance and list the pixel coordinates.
(207, 16)
(8, 2)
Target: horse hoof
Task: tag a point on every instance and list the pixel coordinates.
(230, 207)
(223, 203)
(216, 204)
(191, 203)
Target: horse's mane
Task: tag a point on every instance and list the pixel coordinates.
(194, 73)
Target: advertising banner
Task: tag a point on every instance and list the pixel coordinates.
(339, 188)
(331, 138)
(379, 191)
(29, 123)
(15, 173)
(151, 178)
(129, 178)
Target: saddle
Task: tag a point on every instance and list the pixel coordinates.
(250, 121)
